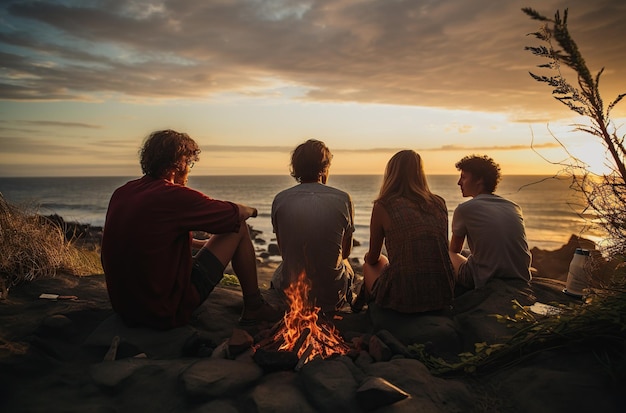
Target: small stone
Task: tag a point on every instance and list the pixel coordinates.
(239, 341)
(363, 359)
(273, 249)
(379, 350)
(57, 325)
(376, 392)
(393, 343)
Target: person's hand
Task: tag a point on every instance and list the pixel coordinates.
(246, 212)
(365, 259)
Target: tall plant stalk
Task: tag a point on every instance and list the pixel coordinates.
(605, 195)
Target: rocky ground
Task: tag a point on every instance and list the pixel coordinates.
(60, 355)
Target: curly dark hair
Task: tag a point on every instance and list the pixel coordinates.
(309, 160)
(167, 149)
(481, 167)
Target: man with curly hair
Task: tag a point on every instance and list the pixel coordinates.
(151, 275)
(492, 225)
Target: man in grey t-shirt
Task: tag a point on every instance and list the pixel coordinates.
(314, 223)
(493, 226)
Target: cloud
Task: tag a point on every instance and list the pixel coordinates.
(443, 148)
(59, 124)
(453, 54)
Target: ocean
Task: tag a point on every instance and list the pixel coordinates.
(551, 209)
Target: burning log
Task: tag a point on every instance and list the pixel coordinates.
(303, 331)
(305, 357)
(275, 360)
(303, 336)
(268, 338)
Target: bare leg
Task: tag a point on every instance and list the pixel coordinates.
(457, 260)
(372, 272)
(237, 247)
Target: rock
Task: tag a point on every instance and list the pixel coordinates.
(393, 343)
(376, 392)
(329, 386)
(278, 393)
(123, 375)
(57, 326)
(113, 373)
(548, 387)
(239, 341)
(441, 330)
(221, 406)
(428, 393)
(271, 361)
(273, 249)
(199, 345)
(254, 233)
(214, 377)
(156, 344)
(379, 350)
(363, 359)
(555, 264)
(221, 351)
(475, 311)
(358, 374)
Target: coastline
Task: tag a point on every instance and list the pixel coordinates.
(85, 199)
(546, 263)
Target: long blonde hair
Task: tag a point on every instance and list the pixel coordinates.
(405, 177)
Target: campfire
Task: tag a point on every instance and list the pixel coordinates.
(302, 330)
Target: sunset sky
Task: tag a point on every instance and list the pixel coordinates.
(83, 82)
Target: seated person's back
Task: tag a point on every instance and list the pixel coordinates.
(313, 223)
(493, 226)
(412, 222)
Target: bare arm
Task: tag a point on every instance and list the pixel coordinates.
(246, 212)
(346, 242)
(456, 244)
(377, 234)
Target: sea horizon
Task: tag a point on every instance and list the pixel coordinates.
(552, 211)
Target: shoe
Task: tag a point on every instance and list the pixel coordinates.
(361, 300)
(265, 312)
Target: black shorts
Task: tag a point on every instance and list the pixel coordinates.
(206, 273)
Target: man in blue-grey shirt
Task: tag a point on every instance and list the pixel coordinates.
(314, 224)
(493, 226)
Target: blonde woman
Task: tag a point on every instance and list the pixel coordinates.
(412, 222)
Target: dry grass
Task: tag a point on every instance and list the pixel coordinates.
(33, 247)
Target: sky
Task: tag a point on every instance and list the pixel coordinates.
(83, 82)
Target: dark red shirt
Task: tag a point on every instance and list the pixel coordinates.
(146, 249)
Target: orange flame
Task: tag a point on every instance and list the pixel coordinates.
(323, 339)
